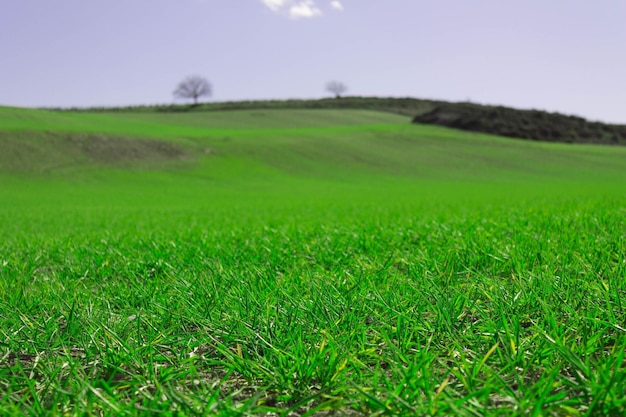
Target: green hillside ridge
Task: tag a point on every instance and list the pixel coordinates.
(406, 106)
(346, 144)
(498, 120)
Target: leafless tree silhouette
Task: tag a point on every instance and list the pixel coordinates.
(336, 88)
(193, 87)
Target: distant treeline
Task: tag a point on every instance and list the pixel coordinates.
(405, 106)
(523, 124)
(497, 120)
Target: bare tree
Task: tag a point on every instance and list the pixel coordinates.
(336, 88)
(193, 87)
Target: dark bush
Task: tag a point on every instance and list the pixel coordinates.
(523, 124)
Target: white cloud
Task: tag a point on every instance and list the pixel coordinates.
(336, 4)
(296, 9)
(305, 8)
(276, 5)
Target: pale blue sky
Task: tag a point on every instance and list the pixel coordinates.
(559, 55)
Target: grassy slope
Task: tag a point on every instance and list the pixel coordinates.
(349, 144)
(342, 156)
(340, 259)
(277, 157)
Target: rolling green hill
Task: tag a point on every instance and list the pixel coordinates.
(222, 156)
(353, 145)
(496, 120)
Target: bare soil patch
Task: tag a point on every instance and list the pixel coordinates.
(107, 149)
(48, 151)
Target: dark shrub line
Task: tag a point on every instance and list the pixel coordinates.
(523, 124)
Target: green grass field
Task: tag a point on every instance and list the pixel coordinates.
(304, 262)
